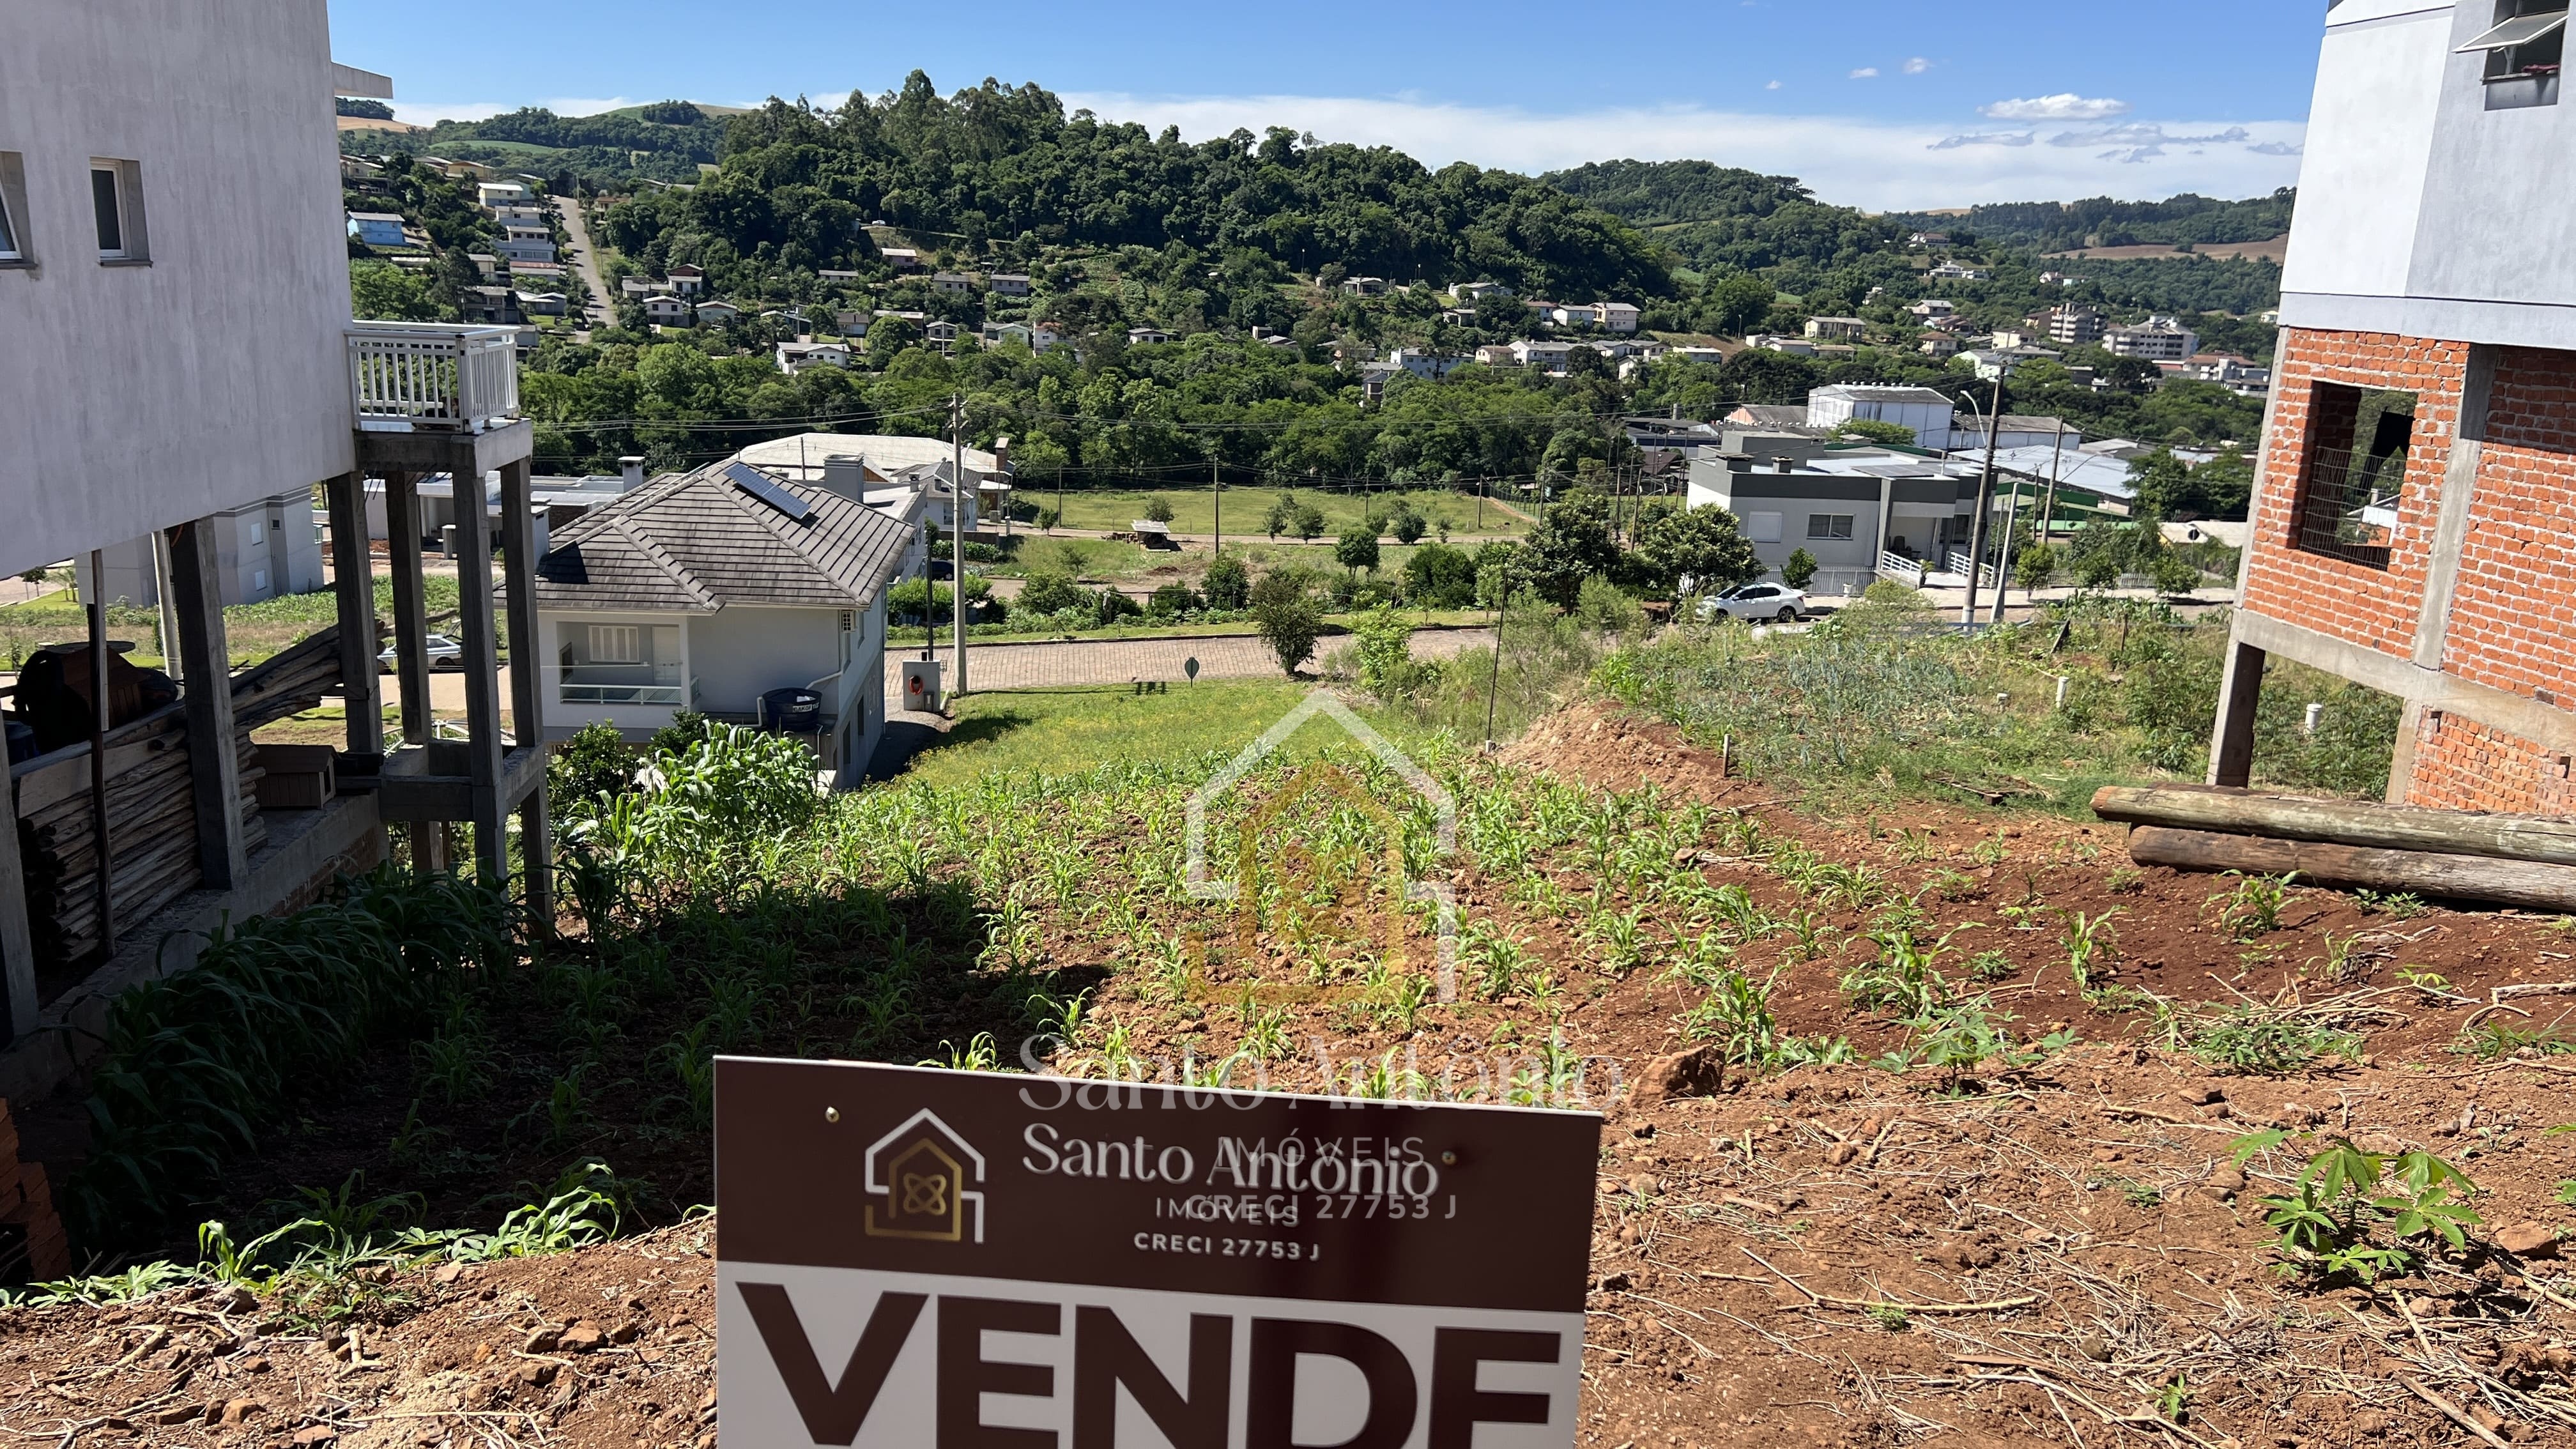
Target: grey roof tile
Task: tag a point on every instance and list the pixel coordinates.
(695, 543)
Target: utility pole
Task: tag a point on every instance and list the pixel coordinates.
(2003, 556)
(2056, 470)
(1216, 500)
(957, 531)
(1985, 501)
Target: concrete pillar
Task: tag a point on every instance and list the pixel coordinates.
(411, 619)
(214, 758)
(17, 942)
(2240, 692)
(2458, 505)
(2401, 761)
(353, 582)
(476, 632)
(527, 698)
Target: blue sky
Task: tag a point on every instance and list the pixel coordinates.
(1874, 102)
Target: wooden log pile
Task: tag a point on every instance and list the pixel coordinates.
(2514, 860)
(291, 682)
(32, 1244)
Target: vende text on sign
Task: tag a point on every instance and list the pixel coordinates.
(958, 1260)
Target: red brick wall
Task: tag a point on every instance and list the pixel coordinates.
(2370, 607)
(2461, 764)
(2513, 619)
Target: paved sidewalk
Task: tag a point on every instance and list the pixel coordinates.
(1117, 661)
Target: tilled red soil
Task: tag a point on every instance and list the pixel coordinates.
(2060, 1254)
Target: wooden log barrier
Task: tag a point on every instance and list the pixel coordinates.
(2534, 885)
(2537, 838)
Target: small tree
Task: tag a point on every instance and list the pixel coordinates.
(1226, 585)
(1048, 518)
(1283, 515)
(1385, 644)
(2034, 566)
(2173, 574)
(1290, 625)
(1357, 549)
(2098, 570)
(1408, 523)
(1800, 570)
(1159, 509)
(1309, 523)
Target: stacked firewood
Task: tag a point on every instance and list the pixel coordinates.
(32, 1245)
(2513, 860)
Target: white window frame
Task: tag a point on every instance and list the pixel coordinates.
(1821, 527)
(133, 246)
(625, 643)
(13, 210)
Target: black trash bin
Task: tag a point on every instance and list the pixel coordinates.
(792, 711)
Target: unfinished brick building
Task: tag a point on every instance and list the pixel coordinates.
(2414, 524)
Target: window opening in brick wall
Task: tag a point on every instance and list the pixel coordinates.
(2354, 475)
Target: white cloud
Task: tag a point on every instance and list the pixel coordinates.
(2066, 106)
(1917, 66)
(430, 113)
(1867, 72)
(1775, 85)
(1846, 159)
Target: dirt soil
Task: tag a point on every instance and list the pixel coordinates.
(2063, 1253)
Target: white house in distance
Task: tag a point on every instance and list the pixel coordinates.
(708, 590)
(888, 464)
(795, 357)
(687, 280)
(1919, 410)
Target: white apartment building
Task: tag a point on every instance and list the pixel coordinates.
(2158, 339)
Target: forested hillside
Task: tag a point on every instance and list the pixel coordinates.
(2052, 226)
(1004, 167)
(664, 141)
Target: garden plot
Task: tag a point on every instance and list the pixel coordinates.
(1942, 1124)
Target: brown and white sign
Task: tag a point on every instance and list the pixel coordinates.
(915, 1257)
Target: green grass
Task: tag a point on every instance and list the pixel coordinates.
(252, 632)
(1247, 509)
(1103, 560)
(1063, 731)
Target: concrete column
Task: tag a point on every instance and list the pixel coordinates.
(214, 757)
(2401, 762)
(411, 619)
(2240, 691)
(17, 942)
(353, 580)
(537, 858)
(2458, 505)
(527, 698)
(476, 631)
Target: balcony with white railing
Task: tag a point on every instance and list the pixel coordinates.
(432, 377)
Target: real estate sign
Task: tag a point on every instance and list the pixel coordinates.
(967, 1260)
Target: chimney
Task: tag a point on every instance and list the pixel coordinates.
(633, 469)
(1784, 465)
(846, 475)
(1002, 454)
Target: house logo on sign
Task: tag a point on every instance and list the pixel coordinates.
(918, 1176)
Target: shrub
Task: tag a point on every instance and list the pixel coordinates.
(1357, 548)
(1800, 570)
(1227, 585)
(596, 761)
(1053, 593)
(2034, 566)
(1440, 577)
(1385, 645)
(1048, 518)
(1607, 610)
(1407, 524)
(1290, 625)
(1111, 606)
(1158, 509)
(1171, 601)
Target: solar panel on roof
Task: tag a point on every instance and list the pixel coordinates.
(756, 483)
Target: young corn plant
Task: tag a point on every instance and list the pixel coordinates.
(2253, 908)
(2090, 942)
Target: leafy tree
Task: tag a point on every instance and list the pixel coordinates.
(1053, 593)
(1283, 514)
(2173, 574)
(2034, 565)
(1408, 523)
(1290, 626)
(1171, 601)
(1438, 576)
(1226, 585)
(1572, 544)
(1871, 430)
(385, 292)
(1800, 570)
(1158, 509)
(1308, 524)
(1357, 549)
(1702, 545)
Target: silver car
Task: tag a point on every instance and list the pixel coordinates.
(443, 652)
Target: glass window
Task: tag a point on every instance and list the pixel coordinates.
(1830, 525)
(8, 222)
(616, 644)
(110, 207)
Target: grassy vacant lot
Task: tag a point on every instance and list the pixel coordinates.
(1101, 560)
(1247, 509)
(1029, 732)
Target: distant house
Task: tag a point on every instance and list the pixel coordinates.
(1147, 336)
(520, 216)
(1619, 318)
(1497, 357)
(1992, 363)
(1544, 356)
(1035, 336)
(851, 323)
(541, 304)
(714, 313)
(525, 246)
(376, 228)
(638, 287)
(1434, 365)
(1364, 286)
(1472, 292)
(1919, 410)
(2073, 326)
(902, 259)
(1007, 284)
(501, 193)
(831, 278)
(496, 306)
(1774, 342)
(795, 357)
(1930, 239)
(1938, 344)
(939, 334)
(665, 310)
(709, 590)
(956, 284)
(1837, 329)
(1954, 271)
(687, 280)
(1932, 309)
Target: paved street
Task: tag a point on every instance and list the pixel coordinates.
(603, 307)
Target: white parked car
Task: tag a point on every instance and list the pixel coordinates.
(1751, 602)
(443, 652)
